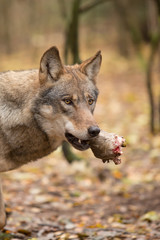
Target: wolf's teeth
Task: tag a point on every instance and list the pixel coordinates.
(81, 141)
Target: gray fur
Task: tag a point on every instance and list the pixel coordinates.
(34, 116)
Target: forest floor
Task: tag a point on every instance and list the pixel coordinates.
(51, 199)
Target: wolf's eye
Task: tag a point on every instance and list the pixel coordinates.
(90, 101)
(68, 101)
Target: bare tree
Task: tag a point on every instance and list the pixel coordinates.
(138, 38)
(72, 19)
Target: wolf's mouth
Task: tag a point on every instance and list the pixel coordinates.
(76, 142)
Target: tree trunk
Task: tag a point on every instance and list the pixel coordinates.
(150, 91)
(71, 50)
(154, 7)
(72, 41)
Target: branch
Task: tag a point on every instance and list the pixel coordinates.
(91, 5)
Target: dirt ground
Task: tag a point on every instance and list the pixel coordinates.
(51, 199)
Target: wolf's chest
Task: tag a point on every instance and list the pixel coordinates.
(26, 143)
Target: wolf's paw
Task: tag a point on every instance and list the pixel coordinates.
(108, 146)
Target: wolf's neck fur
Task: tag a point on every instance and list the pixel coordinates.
(21, 138)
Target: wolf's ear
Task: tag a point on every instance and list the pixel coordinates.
(50, 66)
(91, 66)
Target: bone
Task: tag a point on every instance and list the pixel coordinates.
(107, 146)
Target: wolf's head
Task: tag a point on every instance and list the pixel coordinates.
(67, 99)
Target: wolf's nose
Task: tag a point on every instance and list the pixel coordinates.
(93, 131)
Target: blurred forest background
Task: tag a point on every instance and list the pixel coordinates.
(89, 200)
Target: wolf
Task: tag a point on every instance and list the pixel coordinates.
(39, 109)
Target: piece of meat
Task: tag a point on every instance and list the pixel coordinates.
(107, 146)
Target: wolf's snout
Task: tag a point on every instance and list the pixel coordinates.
(93, 131)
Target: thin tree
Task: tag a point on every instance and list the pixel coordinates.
(137, 39)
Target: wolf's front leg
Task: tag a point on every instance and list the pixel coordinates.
(2, 209)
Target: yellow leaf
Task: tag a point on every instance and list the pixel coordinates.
(117, 174)
(150, 216)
